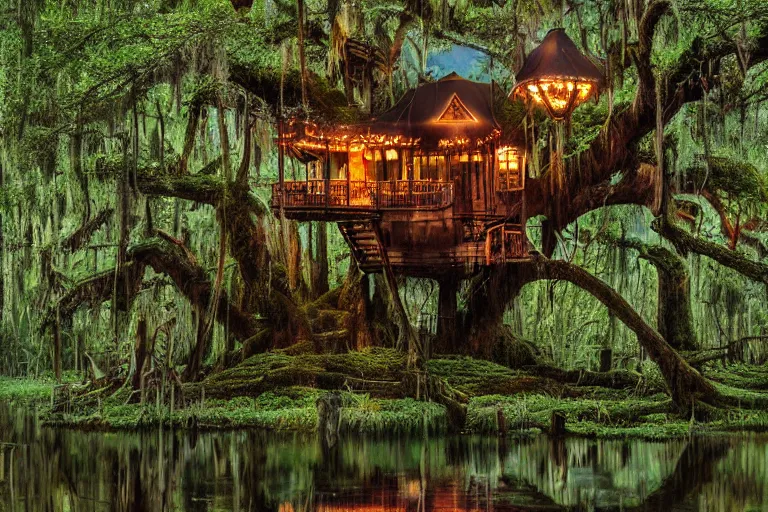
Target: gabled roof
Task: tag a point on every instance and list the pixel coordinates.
(449, 108)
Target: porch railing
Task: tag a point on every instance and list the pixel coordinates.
(373, 195)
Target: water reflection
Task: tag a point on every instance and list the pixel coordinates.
(60, 470)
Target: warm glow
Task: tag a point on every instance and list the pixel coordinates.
(510, 175)
(391, 154)
(356, 166)
(558, 96)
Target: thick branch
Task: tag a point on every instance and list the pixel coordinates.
(199, 187)
(685, 243)
(96, 289)
(192, 281)
(611, 151)
(685, 384)
(84, 233)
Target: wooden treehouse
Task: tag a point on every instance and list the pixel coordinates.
(430, 187)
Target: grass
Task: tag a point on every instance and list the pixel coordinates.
(25, 390)
(627, 417)
(31, 390)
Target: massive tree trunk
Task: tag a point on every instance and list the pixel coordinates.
(685, 384)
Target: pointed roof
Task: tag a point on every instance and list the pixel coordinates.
(448, 108)
(558, 57)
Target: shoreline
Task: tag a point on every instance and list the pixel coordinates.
(379, 416)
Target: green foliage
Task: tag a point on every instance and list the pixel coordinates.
(404, 416)
(25, 390)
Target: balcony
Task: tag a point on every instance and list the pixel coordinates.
(362, 196)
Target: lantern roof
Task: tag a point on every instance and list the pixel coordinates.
(558, 57)
(448, 109)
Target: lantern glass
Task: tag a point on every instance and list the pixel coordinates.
(559, 97)
(510, 169)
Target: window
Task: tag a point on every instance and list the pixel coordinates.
(432, 167)
(511, 169)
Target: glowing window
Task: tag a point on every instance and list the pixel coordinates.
(510, 169)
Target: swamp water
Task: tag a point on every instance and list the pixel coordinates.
(46, 469)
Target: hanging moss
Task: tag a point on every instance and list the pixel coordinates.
(738, 179)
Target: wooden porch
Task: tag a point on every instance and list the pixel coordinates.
(344, 198)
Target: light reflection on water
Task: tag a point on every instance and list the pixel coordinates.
(62, 470)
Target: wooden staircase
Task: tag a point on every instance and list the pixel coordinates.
(362, 237)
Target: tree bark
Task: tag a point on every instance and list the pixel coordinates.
(200, 351)
(140, 352)
(320, 279)
(447, 308)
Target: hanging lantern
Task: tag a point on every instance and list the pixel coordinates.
(557, 76)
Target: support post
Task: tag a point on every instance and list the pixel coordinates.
(327, 174)
(349, 180)
(281, 163)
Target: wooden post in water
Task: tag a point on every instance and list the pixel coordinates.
(557, 425)
(328, 416)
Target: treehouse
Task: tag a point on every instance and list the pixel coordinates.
(432, 186)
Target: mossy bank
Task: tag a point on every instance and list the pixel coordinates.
(279, 391)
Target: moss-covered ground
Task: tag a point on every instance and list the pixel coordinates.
(279, 390)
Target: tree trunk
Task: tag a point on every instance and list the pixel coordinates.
(57, 348)
(320, 279)
(446, 316)
(140, 352)
(196, 358)
(302, 57)
(674, 315)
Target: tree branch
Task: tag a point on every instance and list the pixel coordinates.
(685, 243)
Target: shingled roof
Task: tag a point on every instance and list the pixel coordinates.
(449, 108)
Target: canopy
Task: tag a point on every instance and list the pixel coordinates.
(558, 57)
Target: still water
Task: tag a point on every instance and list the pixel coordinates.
(44, 469)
